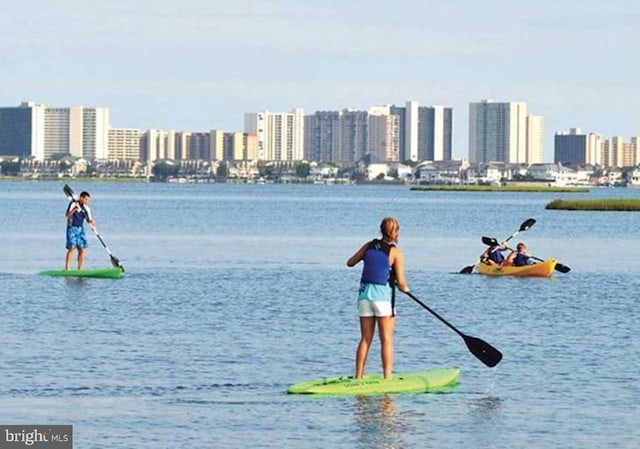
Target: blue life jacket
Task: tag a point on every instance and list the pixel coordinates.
(496, 255)
(78, 217)
(520, 260)
(376, 263)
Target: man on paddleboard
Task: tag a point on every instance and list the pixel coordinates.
(383, 269)
(77, 213)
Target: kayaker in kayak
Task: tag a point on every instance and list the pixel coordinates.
(493, 255)
(383, 269)
(520, 257)
(77, 213)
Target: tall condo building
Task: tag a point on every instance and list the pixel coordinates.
(280, 136)
(613, 152)
(158, 144)
(500, 132)
(574, 147)
(425, 132)
(240, 146)
(353, 136)
(383, 133)
(78, 131)
(350, 135)
(535, 138)
(435, 133)
(191, 145)
(322, 135)
(124, 143)
(22, 130)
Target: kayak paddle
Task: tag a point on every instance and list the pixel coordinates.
(523, 227)
(559, 267)
(491, 241)
(486, 353)
(114, 260)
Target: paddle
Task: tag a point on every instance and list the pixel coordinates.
(523, 227)
(114, 260)
(491, 241)
(486, 353)
(560, 267)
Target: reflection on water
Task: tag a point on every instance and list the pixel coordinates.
(377, 421)
(485, 409)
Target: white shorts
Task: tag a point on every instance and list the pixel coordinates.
(374, 308)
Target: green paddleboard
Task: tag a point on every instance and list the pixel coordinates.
(415, 382)
(105, 273)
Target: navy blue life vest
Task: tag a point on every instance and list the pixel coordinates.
(78, 217)
(496, 255)
(520, 260)
(376, 263)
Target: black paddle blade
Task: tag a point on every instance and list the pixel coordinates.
(562, 268)
(116, 263)
(527, 224)
(467, 270)
(486, 353)
(68, 191)
(490, 241)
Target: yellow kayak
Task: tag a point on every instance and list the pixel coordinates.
(544, 268)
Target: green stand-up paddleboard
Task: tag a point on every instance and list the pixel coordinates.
(416, 382)
(104, 273)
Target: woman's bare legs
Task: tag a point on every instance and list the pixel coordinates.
(385, 329)
(367, 329)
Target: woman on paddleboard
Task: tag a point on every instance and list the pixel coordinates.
(383, 269)
(77, 213)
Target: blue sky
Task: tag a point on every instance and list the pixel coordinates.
(201, 64)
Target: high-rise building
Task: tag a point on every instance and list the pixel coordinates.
(435, 133)
(322, 136)
(76, 130)
(124, 144)
(383, 144)
(95, 131)
(635, 148)
(337, 136)
(613, 152)
(217, 144)
(280, 136)
(576, 147)
(535, 139)
(424, 132)
(233, 146)
(158, 144)
(22, 130)
(498, 132)
(411, 131)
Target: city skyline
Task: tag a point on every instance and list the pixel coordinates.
(203, 65)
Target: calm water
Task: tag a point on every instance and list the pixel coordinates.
(234, 292)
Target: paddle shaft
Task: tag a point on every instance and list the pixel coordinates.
(434, 313)
(486, 353)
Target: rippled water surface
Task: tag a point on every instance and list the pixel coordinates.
(234, 292)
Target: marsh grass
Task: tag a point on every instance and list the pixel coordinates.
(507, 188)
(603, 204)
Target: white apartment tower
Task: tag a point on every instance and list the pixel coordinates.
(535, 139)
(499, 132)
(280, 136)
(411, 131)
(78, 131)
